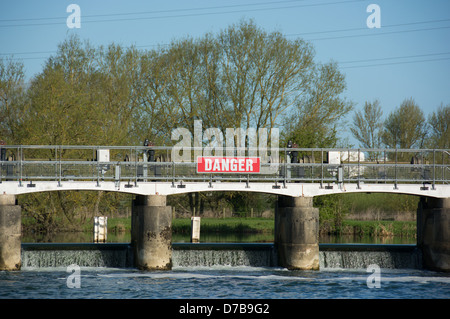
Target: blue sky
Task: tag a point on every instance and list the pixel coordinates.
(407, 57)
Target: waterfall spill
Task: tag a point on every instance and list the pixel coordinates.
(117, 255)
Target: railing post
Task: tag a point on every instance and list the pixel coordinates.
(173, 173)
(98, 169)
(395, 170)
(60, 167)
(359, 169)
(135, 167)
(321, 168)
(20, 151)
(285, 168)
(434, 169)
(56, 163)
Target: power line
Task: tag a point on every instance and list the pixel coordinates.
(348, 36)
(359, 29)
(31, 52)
(307, 33)
(154, 12)
(188, 14)
(314, 32)
(397, 57)
(365, 28)
(379, 34)
(394, 63)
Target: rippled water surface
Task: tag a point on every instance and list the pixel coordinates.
(222, 282)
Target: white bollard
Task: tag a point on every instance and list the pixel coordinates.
(100, 229)
(195, 228)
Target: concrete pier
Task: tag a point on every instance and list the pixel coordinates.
(152, 233)
(297, 233)
(433, 232)
(10, 233)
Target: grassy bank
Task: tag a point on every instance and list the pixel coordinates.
(226, 225)
(406, 229)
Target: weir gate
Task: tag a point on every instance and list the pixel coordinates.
(296, 175)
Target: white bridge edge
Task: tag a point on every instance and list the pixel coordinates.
(167, 188)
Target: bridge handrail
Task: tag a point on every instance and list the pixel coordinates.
(354, 168)
(135, 147)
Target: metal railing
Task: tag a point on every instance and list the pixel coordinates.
(27, 164)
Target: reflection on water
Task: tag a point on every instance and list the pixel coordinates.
(74, 237)
(125, 237)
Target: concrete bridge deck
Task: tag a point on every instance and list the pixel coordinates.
(168, 188)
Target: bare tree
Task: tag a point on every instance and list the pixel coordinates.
(243, 77)
(368, 125)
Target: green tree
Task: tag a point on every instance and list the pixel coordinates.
(439, 123)
(332, 211)
(12, 99)
(62, 108)
(405, 127)
(315, 120)
(240, 78)
(83, 96)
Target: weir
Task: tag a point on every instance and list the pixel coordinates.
(331, 256)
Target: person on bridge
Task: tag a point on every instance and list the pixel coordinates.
(2, 151)
(150, 152)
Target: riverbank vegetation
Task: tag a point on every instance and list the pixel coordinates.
(257, 225)
(354, 228)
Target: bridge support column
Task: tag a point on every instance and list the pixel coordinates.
(297, 233)
(10, 233)
(152, 233)
(433, 232)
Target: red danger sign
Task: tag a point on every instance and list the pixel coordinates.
(215, 164)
